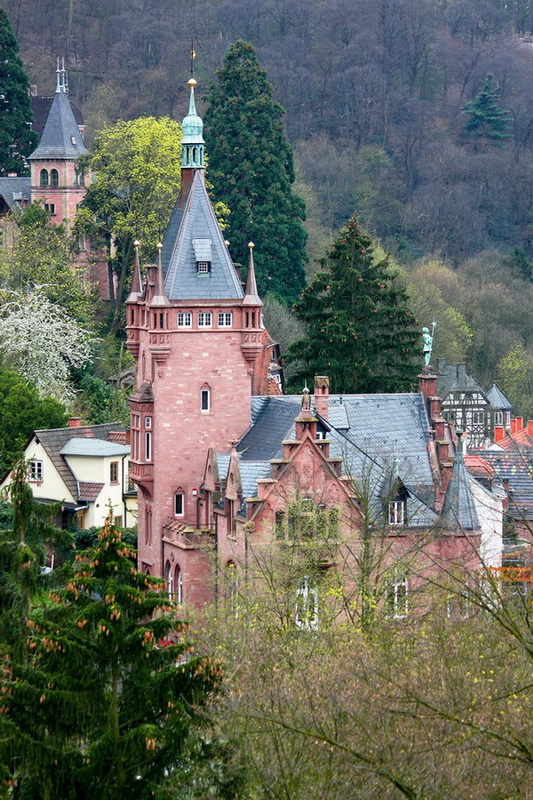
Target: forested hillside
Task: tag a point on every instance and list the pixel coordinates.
(416, 113)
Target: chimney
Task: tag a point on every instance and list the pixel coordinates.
(74, 422)
(530, 428)
(461, 371)
(427, 384)
(499, 433)
(322, 395)
(514, 426)
(519, 424)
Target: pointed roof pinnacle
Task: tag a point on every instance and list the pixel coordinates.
(136, 284)
(459, 510)
(160, 298)
(62, 82)
(251, 296)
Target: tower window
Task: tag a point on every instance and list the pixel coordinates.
(179, 504)
(184, 319)
(43, 180)
(225, 319)
(203, 267)
(50, 207)
(205, 319)
(205, 400)
(54, 177)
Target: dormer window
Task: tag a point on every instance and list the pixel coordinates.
(73, 140)
(397, 511)
(202, 255)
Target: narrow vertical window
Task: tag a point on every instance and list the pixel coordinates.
(54, 177)
(43, 180)
(205, 399)
(113, 472)
(148, 446)
(179, 504)
(169, 579)
(179, 584)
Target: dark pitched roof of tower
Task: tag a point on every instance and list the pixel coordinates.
(459, 510)
(193, 229)
(497, 399)
(61, 136)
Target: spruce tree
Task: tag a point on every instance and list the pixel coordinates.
(487, 122)
(104, 705)
(17, 140)
(251, 169)
(360, 330)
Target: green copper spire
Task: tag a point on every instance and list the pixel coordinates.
(192, 146)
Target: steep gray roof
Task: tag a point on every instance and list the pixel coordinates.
(497, 399)
(61, 136)
(379, 437)
(15, 189)
(193, 228)
(459, 510)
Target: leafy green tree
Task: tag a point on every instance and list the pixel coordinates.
(251, 168)
(40, 259)
(360, 331)
(17, 139)
(111, 691)
(515, 375)
(21, 412)
(137, 178)
(488, 122)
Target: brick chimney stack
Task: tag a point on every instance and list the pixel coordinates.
(321, 395)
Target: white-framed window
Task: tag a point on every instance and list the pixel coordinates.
(148, 446)
(397, 597)
(35, 471)
(203, 267)
(179, 504)
(498, 417)
(306, 618)
(478, 417)
(396, 512)
(205, 400)
(205, 319)
(225, 319)
(507, 417)
(184, 319)
(320, 435)
(148, 423)
(169, 579)
(178, 583)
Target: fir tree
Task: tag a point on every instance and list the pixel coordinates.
(17, 140)
(487, 122)
(360, 331)
(105, 705)
(251, 168)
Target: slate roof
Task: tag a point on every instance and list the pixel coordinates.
(41, 109)
(377, 436)
(516, 469)
(78, 446)
(53, 439)
(193, 218)
(453, 378)
(61, 137)
(459, 510)
(11, 187)
(497, 399)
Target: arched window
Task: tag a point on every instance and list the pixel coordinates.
(178, 582)
(44, 177)
(54, 177)
(169, 578)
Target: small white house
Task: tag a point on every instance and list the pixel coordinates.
(85, 469)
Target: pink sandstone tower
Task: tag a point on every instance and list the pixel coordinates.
(195, 335)
(56, 179)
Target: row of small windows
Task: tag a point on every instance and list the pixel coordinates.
(205, 319)
(49, 178)
(478, 417)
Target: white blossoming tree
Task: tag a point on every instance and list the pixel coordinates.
(41, 342)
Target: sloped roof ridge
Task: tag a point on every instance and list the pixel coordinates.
(195, 219)
(459, 510)
(497, 398)
(61, 137)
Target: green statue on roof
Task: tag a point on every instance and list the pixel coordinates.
(428, 342)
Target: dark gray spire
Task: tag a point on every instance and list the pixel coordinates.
(61, 136)
(459, 511)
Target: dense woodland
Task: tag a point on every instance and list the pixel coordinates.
(378, 104)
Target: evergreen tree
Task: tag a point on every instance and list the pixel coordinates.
(360, 331)
(487, 122)
(111, 691)
(17, 140)
(251, 168)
